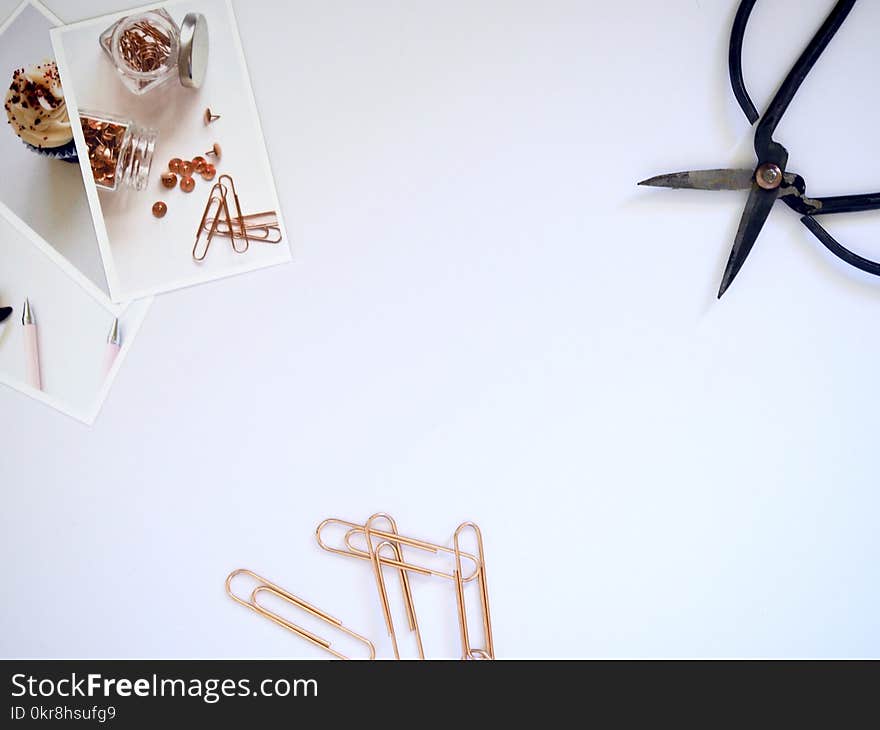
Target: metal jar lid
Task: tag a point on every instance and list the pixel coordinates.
(192, 58)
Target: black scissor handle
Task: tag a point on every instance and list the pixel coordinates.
(829, 205)
(852, 258)
(766, 149)
(847, 203)
(764, 144)
(734, 60)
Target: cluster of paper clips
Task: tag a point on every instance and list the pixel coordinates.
(379, 542)
(240, 229)
(144, 47)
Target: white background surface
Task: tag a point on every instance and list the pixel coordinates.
(47, 194)
(486, 319)
(145, 255)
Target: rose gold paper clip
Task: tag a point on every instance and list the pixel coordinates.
(467, 650)
(377, 563)
(264, 586)
(352, 551)
(218, 196)
(238, 216)
(262, 227)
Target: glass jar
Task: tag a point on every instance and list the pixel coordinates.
(149, 48)
(120, 152)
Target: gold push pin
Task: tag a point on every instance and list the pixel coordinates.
(215, 151)
(210, 116)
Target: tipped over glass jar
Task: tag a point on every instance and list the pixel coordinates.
(120, 152)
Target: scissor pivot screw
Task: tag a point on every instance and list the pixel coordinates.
(768, 176)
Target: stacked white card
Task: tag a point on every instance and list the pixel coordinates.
(84, 256)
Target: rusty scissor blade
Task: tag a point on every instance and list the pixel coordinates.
(758, 207)
(703, 180)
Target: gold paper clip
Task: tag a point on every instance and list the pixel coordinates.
(265, 586)
(220, 198)
(238, 216)
(262, 227)
(467, 650)
(352, 551)
(397, 558)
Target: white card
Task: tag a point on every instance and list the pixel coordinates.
(142, 254)
(73, 321)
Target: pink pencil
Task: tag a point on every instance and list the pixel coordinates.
(114, 342)
(31, 348)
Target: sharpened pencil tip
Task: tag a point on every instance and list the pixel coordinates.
(113, 338)
(27, 317)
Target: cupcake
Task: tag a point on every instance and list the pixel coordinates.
(37, 112)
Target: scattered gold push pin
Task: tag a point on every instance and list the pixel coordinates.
(186, 168)
(210, 116)
(187, 184)
(174, 164)
(208, 171)
(199, 163)
(215, 151)
(169, 179)
(159, 209)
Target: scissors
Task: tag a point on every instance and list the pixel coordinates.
(770, 180)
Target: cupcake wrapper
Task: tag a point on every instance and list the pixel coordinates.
(65, 153)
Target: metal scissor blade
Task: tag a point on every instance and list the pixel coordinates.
(703, 180)
(758, 207)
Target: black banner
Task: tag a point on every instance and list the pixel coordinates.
(142, 693)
